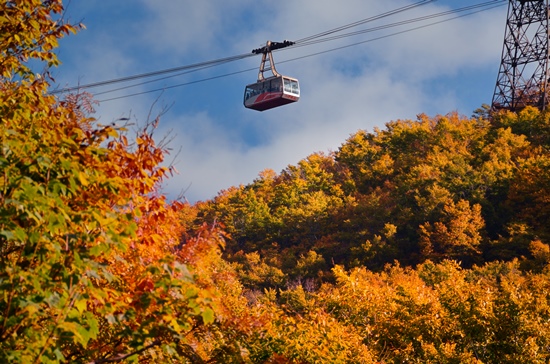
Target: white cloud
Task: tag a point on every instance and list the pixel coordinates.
(186, 29)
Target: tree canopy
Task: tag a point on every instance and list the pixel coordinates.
(444, 187)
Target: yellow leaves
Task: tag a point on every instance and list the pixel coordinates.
(540, 251)
(81, 305)
(83, 179)
(456, 235)
(89, 245)
(401, 318)
(207, 316)
(173, 323)
(318, 338)
(31, 36)
(389, 230)
(111, 132)
(383, 166)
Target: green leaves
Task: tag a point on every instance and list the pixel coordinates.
(207, 316)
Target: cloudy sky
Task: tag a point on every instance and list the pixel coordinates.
(216, 142)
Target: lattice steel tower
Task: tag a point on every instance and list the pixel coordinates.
(523, 75)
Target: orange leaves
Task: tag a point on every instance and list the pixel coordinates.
(145, 285)
(436, 313)
(138, 163)
(28, 31)
(89, 269)
(530, 193)
(456, 235)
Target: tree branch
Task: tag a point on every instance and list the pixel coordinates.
(120, 357)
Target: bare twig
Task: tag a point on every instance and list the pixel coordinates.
(121, 356)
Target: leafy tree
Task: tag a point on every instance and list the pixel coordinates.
(302, 333)
(529, 194)
(540, 253)
(440, 312)
(310, 265)
(456, 235)
(88, 269)
(257, 272)
(530, 122)
(483, 112)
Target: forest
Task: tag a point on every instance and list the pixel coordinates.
(425, 241)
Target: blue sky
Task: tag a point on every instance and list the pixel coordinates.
(436, 70)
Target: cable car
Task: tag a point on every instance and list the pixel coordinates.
(271, 92)
(274, 91)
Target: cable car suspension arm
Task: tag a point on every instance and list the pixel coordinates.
(266, 55)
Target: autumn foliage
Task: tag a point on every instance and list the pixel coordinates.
(425, 242)
(448, 187)
(88, 267)
(464, 197)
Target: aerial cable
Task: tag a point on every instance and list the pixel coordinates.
(317, 38)
(310, 55)
(391, 35)
(156, 73)
(234, 58)
(363, 21)
(179, 85)
(154, 80)
(404, 22)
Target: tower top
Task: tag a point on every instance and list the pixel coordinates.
(523, 75)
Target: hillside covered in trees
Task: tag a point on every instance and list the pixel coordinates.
(474, 190)
(426, 241)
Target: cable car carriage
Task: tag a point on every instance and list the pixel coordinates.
(273, 91)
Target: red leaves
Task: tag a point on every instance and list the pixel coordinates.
(145, 285)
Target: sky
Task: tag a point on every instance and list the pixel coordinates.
(215, 142)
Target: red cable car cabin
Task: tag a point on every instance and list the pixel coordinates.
(271, 92)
